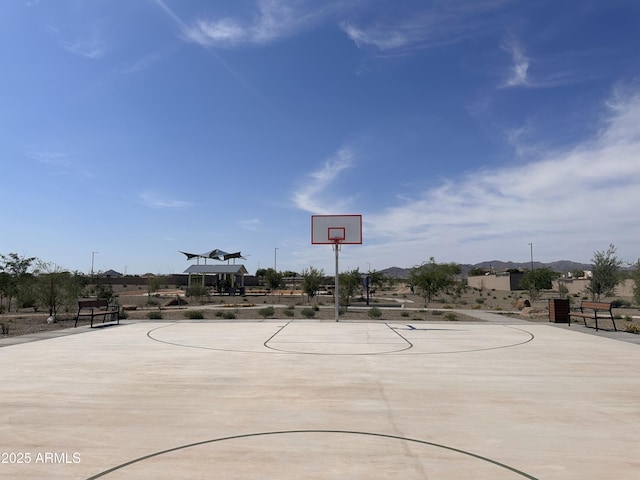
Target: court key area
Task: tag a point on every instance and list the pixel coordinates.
(321, 400)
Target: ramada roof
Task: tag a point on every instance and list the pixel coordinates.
(215, 269)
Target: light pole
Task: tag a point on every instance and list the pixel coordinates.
(275, 259)
(92, 259)
(531, 245)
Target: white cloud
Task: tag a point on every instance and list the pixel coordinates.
(582, 198)
(59, 162)
(384, 38)
(153, 200)
(86, 48)
(314, 196)
(432, 25)
(519, 69)
(275, 19)
(253, 224)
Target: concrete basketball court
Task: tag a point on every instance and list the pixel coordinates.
(321, 400)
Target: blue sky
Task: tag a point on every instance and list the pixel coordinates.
(462, 130)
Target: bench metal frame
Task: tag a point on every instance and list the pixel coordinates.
(595, 307)
(97, 308)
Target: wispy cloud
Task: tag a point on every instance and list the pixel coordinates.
(91, 48)
(314, 196)
(252, 224)
(431, 25)
(58, 161)
(154, 200)
(552, 201)
(520, 65)
(275, 19)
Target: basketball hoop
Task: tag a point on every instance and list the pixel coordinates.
(336, 230)
(336, 234)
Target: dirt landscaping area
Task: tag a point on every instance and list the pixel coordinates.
(398, 305)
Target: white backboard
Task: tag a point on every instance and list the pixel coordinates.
(332, 229)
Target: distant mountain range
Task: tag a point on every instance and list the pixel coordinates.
(561, 266)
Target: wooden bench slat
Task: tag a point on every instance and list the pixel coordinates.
(595, 307)
(97, 308)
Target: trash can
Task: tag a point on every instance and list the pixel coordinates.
(559, 310)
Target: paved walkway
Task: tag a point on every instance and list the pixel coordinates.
(501, 399)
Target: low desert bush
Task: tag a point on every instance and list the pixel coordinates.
(631, 328)
(267, 312)
(374, 312)
(154, 315)
(404, 314)
(227, 315)
(620, 303)
(308, 312)
(451, 317)
(194, 314)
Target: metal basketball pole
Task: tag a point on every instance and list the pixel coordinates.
(337, 249)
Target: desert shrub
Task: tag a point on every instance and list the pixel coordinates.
(194, 314)
(4, 329)
(219, 313)
(436, 312)
(620, 303)
(154, 315)
(267, 312)
(631, 328)
(227, 315)
(628, 318)
(404, 314)
(479, 301)
(308, 312)
(451, 317)
(124, 314)
(289, 312)
(462, 302)
(374, 312)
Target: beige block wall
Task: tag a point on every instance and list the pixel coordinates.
(497, 281)
(577, 285)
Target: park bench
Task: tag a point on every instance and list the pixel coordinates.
(592, 312)
(95, 309)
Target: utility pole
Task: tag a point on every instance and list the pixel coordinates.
(275, 259)
(92, 259)
(531, 245)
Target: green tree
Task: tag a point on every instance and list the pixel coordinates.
(577, 273)
(57, 288)
(536, 280)
(604, 274)
(377, 279)
(349, 283)
(476, 271)
(272, 278)
(154, 282)
(16, 267)
(431, 278)
(635, 275)
(312, 280)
